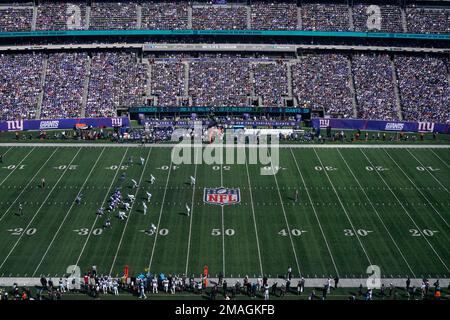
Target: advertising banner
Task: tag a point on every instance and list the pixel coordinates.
(55, 124)
(378, 125)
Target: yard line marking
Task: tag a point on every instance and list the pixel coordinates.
(17, 166)
(68, 212)
(377, 213)
(254, 218)
(39, 209)
(103, 202)
(28, 184)
(192, 212)
(285, 218)
(315, 213)
(160, 215)
(407, 213)
(426, 169)
(223, 223)
(131, 211)
(418, 189)
(8, 150)
(343, 207)
(445, 163)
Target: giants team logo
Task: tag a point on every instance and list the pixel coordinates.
(324, 123)
(116, 122)
(222, 196)
(15, 125)
(426, 127)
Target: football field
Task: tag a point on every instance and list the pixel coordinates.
(356, 207)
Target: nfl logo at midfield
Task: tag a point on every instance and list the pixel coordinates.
(222, 196)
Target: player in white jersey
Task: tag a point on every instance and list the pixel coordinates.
(152, 229)
(131, 197)
(135, 184)
(127, 206)
(149, 196)
(152, 179)
(192, 181)
(122, 215)
(142, 161)
(188, 210)
(145, 207)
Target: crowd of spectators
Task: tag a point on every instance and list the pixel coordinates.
(219, 17)
(322, 81)
(428, 20)
(364, 18)
(270, 82)
(424, 88)
(259, 15)
(64, 83)
(159, 15)
(373, 78)
(168, 81)
(13, 19)
(219, 82)
(273, 15)
(113, 15)
(325, 17)
(319, 81)
(20, 78)
(116, 80)
(52, 15)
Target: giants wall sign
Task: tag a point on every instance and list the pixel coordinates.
(222, 196)
(426, 127)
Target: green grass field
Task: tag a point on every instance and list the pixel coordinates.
(358, 207)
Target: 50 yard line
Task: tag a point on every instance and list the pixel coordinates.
(39, 209)
(67, 214)
(223, 222)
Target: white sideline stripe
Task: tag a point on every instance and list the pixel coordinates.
(426, 169)
(377, 213)
(286, 219)
(103, 202)
(160, 215)
(445, 164)
(17, 166)
(223, 225)
(415, 186)
(315, 213)
(28, 184)
(309, 282)
(39, 209)
(282, 146)
(254, 218)
(67, 214)
(343, 208)
(406, 211)
(131, 211)
(192, 213)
